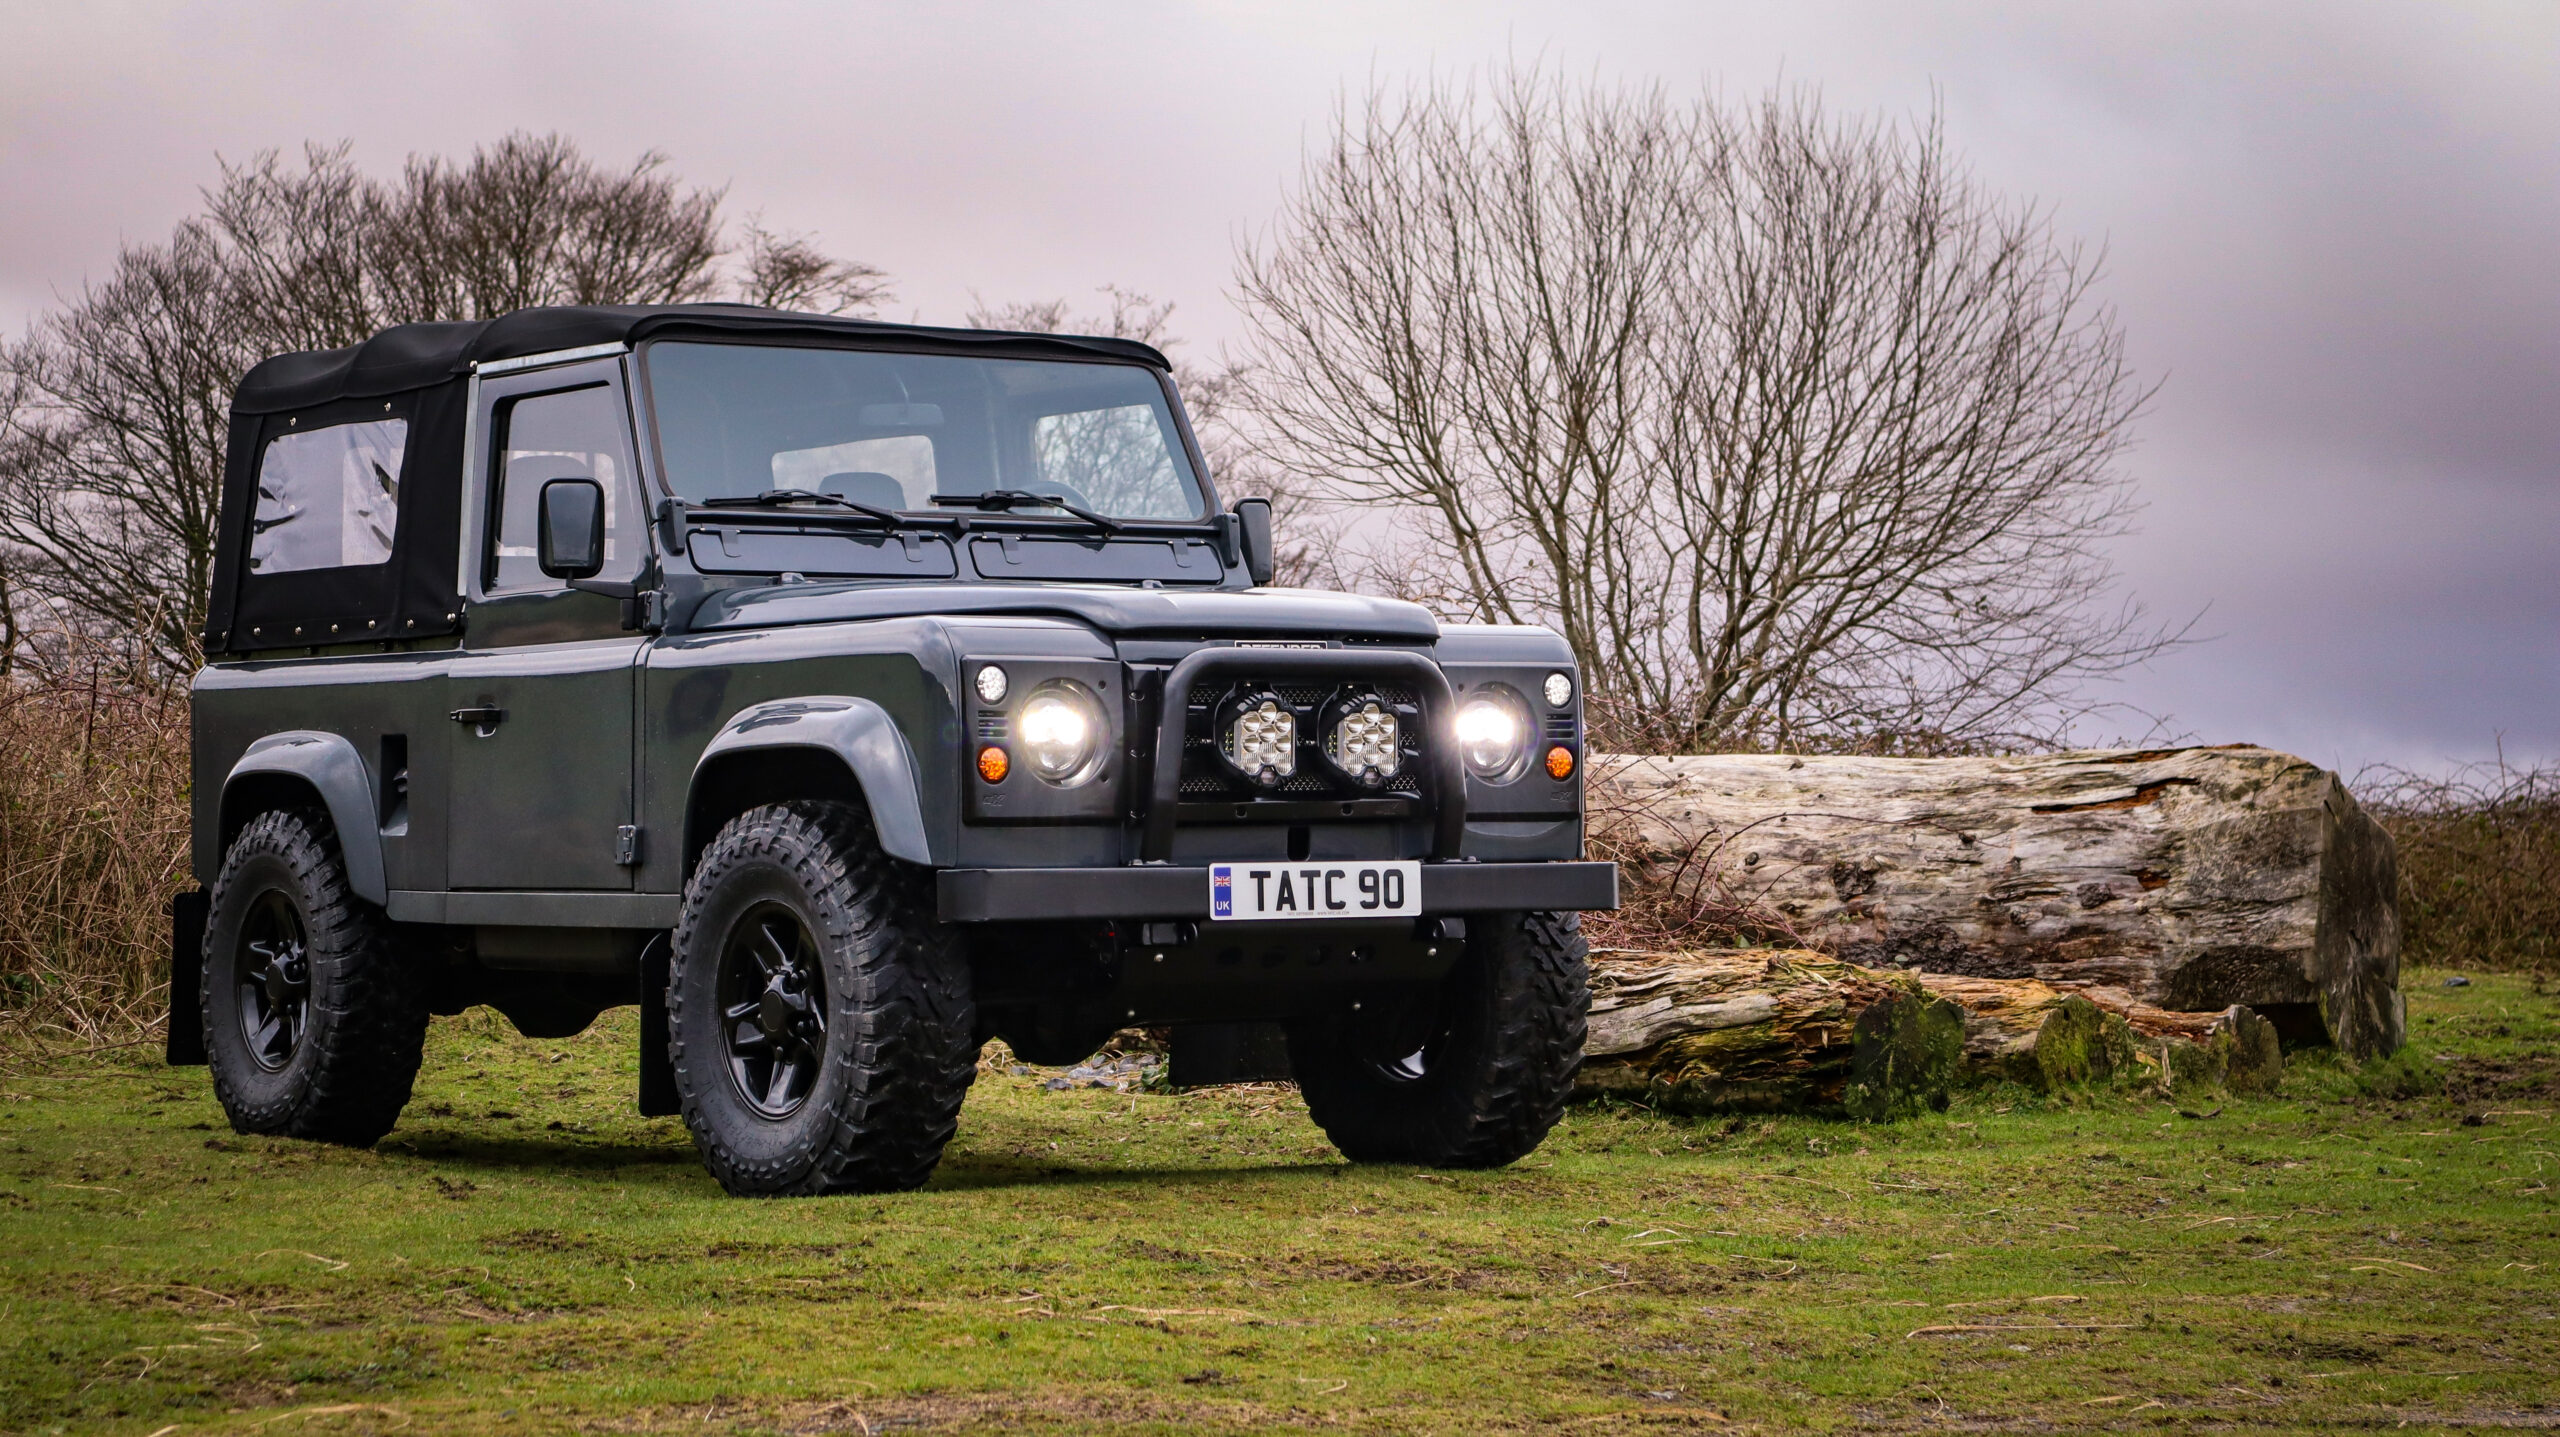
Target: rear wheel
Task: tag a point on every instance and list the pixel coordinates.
(819, 1018)
(1469, 1075)
(313, 1021)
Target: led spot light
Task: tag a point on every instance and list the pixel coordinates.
(1262, 743)
(1366, 745)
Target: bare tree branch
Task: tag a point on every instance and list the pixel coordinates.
(789, 272)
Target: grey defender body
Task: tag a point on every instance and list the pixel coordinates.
(522, 770)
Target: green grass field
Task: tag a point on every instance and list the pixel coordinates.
(2372, 1249)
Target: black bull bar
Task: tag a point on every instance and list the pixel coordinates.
(1448, 793)
(1155, 888)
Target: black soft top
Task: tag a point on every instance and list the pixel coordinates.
(419, 374)
(409, 357)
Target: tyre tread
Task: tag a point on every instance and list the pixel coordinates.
(369, 1022)
(906, 1078)
(1533, 1018)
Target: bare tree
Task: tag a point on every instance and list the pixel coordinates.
(1792, 431)
(113, 408)
(111, 449)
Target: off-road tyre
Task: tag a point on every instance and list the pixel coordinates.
(349, 1071)
(898, 1051)
(1497, 1045)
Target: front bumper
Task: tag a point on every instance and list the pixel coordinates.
(1014, 895)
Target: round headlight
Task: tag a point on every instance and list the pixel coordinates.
(1493, 734)
(1063, 733)
(991, 685)
(1559, 690)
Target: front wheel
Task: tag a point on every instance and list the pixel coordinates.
(1469, 1075)
(818, 1017)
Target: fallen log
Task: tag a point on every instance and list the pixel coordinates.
(1790, 1029)
(2053, 1037)
(2191, 879)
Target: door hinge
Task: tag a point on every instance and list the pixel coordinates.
(626, 846)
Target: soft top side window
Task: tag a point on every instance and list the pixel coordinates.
(328, 497)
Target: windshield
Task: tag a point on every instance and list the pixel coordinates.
(894, 430)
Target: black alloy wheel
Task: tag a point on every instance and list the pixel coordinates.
(773, 998)
(820, 1029)
(273, 980)
(314, 1004)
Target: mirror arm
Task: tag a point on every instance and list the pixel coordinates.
(644, 604)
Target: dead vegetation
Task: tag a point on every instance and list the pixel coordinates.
(2479, 864)
(93, 838)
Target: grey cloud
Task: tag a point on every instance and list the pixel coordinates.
(2331, 231)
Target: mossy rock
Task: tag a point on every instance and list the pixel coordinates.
(2252, 1058)
(2084, 1046)
(2242, 1056)
(1905, 1054)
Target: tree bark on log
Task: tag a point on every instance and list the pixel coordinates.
(1789, 1029)
(2190, 879)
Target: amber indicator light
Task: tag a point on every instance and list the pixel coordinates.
(1559, 762)
(993, 765)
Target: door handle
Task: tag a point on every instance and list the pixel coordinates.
(484, 717)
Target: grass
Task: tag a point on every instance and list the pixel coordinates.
(525, 1255)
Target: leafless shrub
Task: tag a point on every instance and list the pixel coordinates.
(1785, 424)
(93, 838)
(790, 272)
(1670, 899)
(2479, 863)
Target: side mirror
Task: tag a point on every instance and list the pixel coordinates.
(570, 543)
(1253, 518)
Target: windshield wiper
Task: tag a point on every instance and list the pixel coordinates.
(774, 498)
(1002, 501)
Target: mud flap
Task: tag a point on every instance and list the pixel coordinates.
(187, 913)
(658, 1097)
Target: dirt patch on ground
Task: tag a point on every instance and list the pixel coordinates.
(966, 1414)
(2494, 1082)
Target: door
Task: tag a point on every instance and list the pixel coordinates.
(540, 793)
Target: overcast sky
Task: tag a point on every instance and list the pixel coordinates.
(2334, 230)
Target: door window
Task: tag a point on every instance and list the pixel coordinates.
(569, 434)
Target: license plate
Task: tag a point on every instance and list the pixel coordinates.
(1261, 892)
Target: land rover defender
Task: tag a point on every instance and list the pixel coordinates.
(845, 695)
